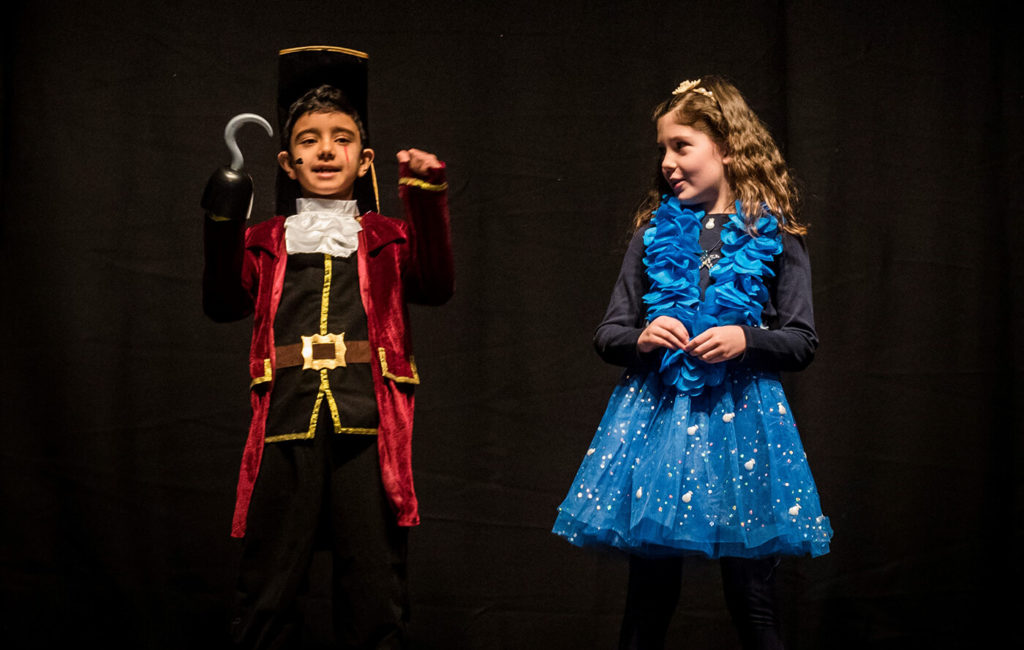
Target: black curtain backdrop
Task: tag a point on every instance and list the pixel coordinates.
(124, 410)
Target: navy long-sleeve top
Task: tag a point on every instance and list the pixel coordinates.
(785, 342)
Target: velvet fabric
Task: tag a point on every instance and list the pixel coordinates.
(399, 261)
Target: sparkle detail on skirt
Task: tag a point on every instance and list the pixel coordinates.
(722, 473)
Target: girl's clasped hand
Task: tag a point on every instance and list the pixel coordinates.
(713, 345)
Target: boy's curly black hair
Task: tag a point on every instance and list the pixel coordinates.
(322, 99)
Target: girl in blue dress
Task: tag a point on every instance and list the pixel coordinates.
(697, 453)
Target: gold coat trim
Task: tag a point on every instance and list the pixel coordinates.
(287, 436)
(358, 431)
(268, 374)
(325, 295)
(355, 431)
(422, 184)
(414, 379)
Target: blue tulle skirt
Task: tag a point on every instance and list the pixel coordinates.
(719, 474)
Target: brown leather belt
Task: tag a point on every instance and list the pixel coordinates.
(291, 355)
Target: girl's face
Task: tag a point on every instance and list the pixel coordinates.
(693, 166)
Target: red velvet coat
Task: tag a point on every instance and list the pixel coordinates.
(398, 262)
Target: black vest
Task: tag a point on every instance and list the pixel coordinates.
(321, 296)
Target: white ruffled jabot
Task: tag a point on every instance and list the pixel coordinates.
(323, 226)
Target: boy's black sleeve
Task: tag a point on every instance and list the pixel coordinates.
(224, 296)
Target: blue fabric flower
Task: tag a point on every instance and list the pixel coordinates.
(736, 296)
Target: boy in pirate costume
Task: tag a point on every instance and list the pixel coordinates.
(331, 362)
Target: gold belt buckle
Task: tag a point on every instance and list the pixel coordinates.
(323, 351)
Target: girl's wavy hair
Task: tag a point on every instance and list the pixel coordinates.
(756, 172)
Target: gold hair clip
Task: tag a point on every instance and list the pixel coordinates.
(693, 85)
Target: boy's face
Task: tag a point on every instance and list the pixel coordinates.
(326, 155)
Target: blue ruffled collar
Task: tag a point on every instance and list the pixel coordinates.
(736, 296)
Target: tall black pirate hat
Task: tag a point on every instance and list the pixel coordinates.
(302, 69)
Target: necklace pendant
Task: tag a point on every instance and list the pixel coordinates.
(710, 223)
(707, 260)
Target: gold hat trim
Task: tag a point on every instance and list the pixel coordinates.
(328, 48)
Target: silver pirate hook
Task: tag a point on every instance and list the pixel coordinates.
(229, 135)
(228, 193)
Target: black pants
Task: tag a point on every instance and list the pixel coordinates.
(330, 485)
(653, 594)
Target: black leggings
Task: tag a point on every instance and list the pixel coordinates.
(653, 594)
